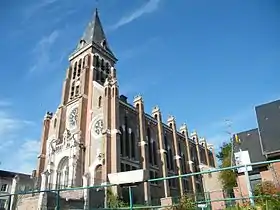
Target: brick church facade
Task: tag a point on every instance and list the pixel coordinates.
(95, 131)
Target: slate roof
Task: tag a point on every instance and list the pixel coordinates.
(10, 174)
(268, 117)
(249, 140)
(94, 34)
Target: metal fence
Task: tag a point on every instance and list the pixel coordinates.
(132, 197)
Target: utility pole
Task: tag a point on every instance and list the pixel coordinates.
(229, 132)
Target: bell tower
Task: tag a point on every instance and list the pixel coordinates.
(75, 139)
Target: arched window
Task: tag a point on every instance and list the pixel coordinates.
(102, 64)
(79, 68)
(107, 68)
(97, 75)
(99, 102)
(84, 61)
(97, 62)
(171, 159)
(183, 164)
(75, 70)
(94, 60)
(62, 173)
(54, 123)
(98, 175)
(180, 149)
(66, 176)
(165, 142)
(150, 146)
(72, 90)
(126, 138)
(77, 90)
(122, 141)
(133, 155)
(102, 77)
(155, 153)
(168, 159)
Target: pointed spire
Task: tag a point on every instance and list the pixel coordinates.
(94, 34)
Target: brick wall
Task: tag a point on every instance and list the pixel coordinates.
(27, 202)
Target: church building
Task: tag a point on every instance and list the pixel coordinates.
(95, 131)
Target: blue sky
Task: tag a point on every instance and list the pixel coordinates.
(201, 61)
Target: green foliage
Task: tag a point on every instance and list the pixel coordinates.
(185, 203)
(227, 177)
(114, 201)
(268, 196)
(242, 208)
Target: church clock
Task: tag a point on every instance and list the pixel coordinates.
(97, 128)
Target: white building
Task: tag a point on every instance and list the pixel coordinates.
(6, 181)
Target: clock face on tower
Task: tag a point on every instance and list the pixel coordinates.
(98, 126)
(73, 118)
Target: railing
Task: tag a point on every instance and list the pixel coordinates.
(102, 196)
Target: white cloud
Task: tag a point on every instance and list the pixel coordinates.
(42, 52)
(36, 7)
(149, 7)
(11, 137)
(27, 156)
(9, 125)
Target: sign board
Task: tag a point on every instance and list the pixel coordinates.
(128, 177)
(202, 205)
(242, 158)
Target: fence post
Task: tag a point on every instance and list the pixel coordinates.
(130, 198)
(57, 200)
(250, 193)
(9, 202)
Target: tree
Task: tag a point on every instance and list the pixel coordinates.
(227, 177)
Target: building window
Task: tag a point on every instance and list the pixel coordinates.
(79, 68)
(107, 68)
(122, 167)
(84, 60)
(154, 175)
(94, 60)
(98, 175)
(155, 153)
(75, 70)
(4, 187)
(171, 159)
(99, 102)
(165, 142)
(2, 203)
(180, 149)
(66, 176)
(72, 90)
(133, 155)
(77, 90)
(122, 141)
(127, 167)
(150, 146)
(102, 78)
(97, 75)
(102, 64)
(126, 138)
(97, 62)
